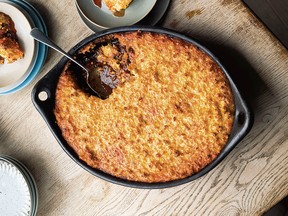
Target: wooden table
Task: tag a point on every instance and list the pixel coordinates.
(249, 181)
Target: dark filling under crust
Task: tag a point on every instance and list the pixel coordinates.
(112, 73)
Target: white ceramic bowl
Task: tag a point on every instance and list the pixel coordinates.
(13, 74)
(103, 18)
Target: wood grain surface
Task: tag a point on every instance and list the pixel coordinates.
(252, 178)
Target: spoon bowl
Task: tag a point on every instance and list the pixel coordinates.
(92, 76)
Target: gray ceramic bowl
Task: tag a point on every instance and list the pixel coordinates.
(151, 19)
(103, 18)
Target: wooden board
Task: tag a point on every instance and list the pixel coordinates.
(274, 14)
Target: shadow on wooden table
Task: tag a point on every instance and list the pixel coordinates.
(280, 209)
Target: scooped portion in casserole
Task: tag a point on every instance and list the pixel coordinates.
(169, 116)
(9, 46)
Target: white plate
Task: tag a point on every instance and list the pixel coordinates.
(102, 17)
(15, 196)
(11, 75)
(28, 178)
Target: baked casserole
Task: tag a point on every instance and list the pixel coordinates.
(169, 115)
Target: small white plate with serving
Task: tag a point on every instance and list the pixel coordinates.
(13, 74)
(104, 18)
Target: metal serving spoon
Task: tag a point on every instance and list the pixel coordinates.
(92, 78)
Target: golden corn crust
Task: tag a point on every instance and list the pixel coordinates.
(168, 121)
(117, 5)
(9, 46)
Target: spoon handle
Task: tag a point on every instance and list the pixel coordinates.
(38, 35)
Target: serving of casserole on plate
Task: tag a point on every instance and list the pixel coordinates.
(173, 114)
(16, 46)
(103, 18)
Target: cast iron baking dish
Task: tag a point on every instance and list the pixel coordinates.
(47, 85)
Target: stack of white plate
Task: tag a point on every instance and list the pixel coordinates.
(18, 192)
(17, 75)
